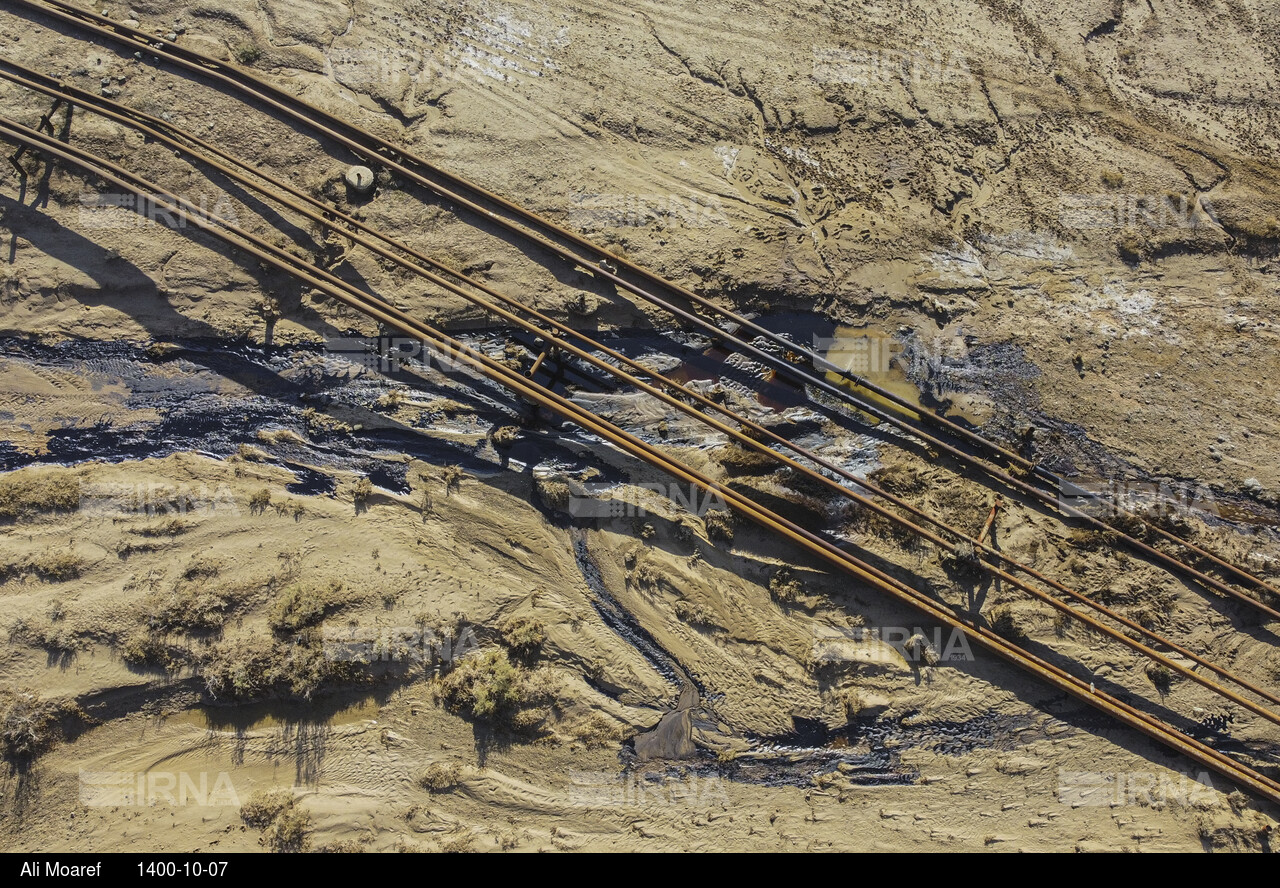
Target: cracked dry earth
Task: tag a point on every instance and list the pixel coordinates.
(1063, 225)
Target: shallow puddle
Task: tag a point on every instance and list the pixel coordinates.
(269, 716)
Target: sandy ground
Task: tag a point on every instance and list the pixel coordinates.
(1066, 218)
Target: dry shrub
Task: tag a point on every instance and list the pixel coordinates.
(26, 494)
(249, 453)
(720, 525)
(259, 501)
(280, 436)
(898, 478)
(143, 650)
(440, 777)
(553, 493)
(1004, 623)
(284, 825)
(31, 725)
(524, 637)
(596, 731)
(195, 603)
(785, 587)
(300, 606)
(57, 565)
(506, 437)
(492, 688)
(738, 460)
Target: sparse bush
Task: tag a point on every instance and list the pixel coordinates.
(439, 777)
(30, 725)
(53, 637)
(361, 492)
(852, 703)
(876, 525)
(1132, 247)
(738, 460)
(964, 561)
(452, 477)
(448, 407)
(458, 844)
(161, 351)
(1061, 624)
(201, 569)
(142, 650)
(288, 833)
(918, 648)
(192, 607)
(291, 507)
(597, 731)
(299, 667)
(301, 606)
(695, 615)
(238, 671)
(719, 525)
(1160, 676)
(553, 493)
(280, 436)
(1092, 540)
(57, 565)
(898, 478)
(266, 805)
(171, 528)
(645, 575)
(295, 667)
(492, 688)
(1112, 178)
(259, 501)
(26, 494)
(1004, 623)
(391, 400)
(1259, 228)
(524, 637)
(319, 423)
(343, 846)
(785, 587)
(249, 453)
(284, 825)
(506, 437)
(1238, 801)
(247, 53)
(484, 687)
